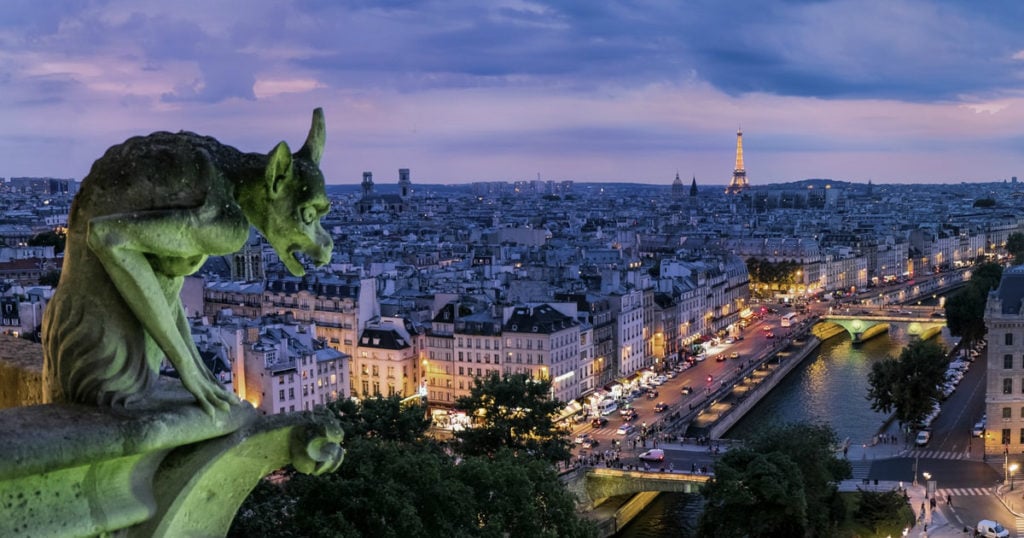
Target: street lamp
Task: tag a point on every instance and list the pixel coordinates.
(1013, 469)
(927, 482)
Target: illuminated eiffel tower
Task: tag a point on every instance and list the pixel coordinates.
(739, 175)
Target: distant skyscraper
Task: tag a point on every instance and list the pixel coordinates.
(739, 174)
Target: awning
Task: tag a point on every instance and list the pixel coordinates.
(569, 410)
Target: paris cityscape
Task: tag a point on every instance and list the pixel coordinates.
(537, 269)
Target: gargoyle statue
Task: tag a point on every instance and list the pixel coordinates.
(148, 214)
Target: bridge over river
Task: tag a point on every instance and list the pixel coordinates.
(922, 322)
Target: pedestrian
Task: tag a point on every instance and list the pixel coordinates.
(949, 499)
(932, 501)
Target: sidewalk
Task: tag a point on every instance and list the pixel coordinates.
(933, 523)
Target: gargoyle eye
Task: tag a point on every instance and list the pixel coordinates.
(308, 214)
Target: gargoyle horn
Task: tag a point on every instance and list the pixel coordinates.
(313, 149)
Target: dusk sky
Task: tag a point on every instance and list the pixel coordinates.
(469, 90)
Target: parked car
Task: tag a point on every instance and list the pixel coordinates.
(923, 437)
(599, 422)
(626, 429)
(660, 407)
(654, 454)
(991, 529)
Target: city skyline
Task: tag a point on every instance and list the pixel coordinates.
(888, 92)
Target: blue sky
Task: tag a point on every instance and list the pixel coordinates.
(467, 90)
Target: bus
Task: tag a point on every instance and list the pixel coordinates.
(788, 319)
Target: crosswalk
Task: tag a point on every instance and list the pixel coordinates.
(962, 492)
(1020, 526)
(937, 455)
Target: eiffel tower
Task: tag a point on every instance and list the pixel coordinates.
(739, 175)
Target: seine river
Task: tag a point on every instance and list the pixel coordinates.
(829, 387)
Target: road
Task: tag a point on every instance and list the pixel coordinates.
(703, 377)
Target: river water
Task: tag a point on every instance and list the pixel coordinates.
(830, 387)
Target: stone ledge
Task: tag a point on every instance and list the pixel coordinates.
(21, 372)
(166, 469)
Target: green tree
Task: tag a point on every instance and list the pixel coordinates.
(50, 278)
(386, 418)
(393, 487)
(797, 461)
(520, 497)
(48, 239)
(985, 202)
(514, 412)
(883, 512)
(754, 495)
(1015, 246)
(965, 311)
(909, 384)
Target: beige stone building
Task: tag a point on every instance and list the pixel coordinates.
(1004, 388)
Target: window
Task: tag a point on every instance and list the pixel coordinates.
(1009, 339)
(1007, 414)
(1007, 386)
(291, 393)
(1006, 436)
(280, 395)
(1007, 361)
(1022, 436)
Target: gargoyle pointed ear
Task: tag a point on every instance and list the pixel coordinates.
(313, 149)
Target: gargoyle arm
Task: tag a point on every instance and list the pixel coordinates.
(122, 243)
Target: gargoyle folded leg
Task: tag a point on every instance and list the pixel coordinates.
(130, 245)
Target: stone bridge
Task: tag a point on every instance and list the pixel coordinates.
(862, 324)
(592, 485)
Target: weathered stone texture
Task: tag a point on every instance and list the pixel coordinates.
(21, 369)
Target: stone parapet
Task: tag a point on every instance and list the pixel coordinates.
(21, 371)
(167, 469)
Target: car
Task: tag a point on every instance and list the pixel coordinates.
(923, 437)
(626, 429)
(730, 340)
(719, 358)
(769, 335)
(626, 417)
(734, 355)
(660, 407)
(599, 422)
(686, 390)
(654, 454)
(979, 429)
(701, 357)
(590, 442)
(652, 394)
(991, 529)
(582, 438)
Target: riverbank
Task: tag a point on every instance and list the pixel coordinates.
(719, 412)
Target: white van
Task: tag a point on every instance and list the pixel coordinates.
(607, 407)
(991, 529)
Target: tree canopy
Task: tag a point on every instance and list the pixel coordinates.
(397, 482)
(48, 239)
(909, 384)
(965, 311)
(513, 412)
(782, 482)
